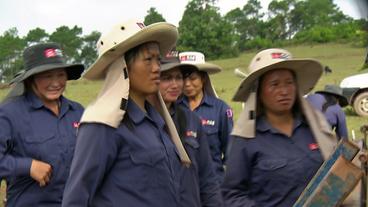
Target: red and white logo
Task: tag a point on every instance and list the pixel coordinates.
(188, 58)
(141, 25)
(52, 52)
(190, 133)
(279, 55)
(206, 122)
(313, 146)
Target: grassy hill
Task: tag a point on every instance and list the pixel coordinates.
(343, 59)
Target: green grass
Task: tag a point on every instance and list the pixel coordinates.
(344, 60)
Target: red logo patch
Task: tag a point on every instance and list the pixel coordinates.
(279, 55)
(229, 113)
(313, 146)
(76, 124)
(49, 53)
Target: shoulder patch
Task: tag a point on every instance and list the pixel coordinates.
(229, 113)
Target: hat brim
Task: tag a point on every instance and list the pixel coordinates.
(343, 101)
(164, 33)
(308, 72)
(181, 66)
(205, 67)
(74, 71)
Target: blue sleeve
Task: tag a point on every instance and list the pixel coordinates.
(235, 188)
(10, 165)
(226, 127)
(209, 188)
(95, 152)
(341, 128)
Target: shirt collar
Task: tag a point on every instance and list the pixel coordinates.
(205, 100)
(137, 115)
(36, 102)
(263, 125)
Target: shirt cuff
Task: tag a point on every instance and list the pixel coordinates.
(23, 166)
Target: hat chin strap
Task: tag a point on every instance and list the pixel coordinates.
(184, 158)
(113, 94)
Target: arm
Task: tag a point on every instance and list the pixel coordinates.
(10, 165)
(235, 188)
(226, 127)
(95, 151)
(341, 128)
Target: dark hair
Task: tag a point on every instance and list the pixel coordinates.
(131, 55)
(260, 108)
(330, 100)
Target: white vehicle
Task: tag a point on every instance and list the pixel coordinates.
(355, 89)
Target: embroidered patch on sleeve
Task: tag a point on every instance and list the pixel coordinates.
(229, 113)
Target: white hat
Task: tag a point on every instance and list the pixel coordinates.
(197, 59)
(125, 36)
(307, 71)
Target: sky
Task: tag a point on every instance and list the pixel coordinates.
(101, 15)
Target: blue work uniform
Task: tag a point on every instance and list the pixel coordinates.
(135, 164)
(217, 120)
(29, 131)
(271, 169)
(199, 185)
(334, 114)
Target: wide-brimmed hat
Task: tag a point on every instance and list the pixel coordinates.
(335, 91)
(171, 60)
(198, 60)
(44, 57)
(125, 36)
(307, 71)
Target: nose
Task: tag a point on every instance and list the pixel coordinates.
(156, 66)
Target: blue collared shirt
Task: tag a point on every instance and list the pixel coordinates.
(29, 131)
(271, 169)
(334, 114)
(199, 187)
(217, 119)
(135, 164)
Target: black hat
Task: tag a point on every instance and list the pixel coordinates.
(336, 91)
(44, 57)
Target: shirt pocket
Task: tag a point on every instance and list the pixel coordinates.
(149, 169)
(191, 142)
(272, 164)
(42, 147)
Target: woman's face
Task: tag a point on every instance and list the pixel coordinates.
(171, 85)
(50, 85)
(193, 85)
(144, 70)
(278, 91)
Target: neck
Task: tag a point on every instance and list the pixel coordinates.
(138, 99)
(194, 101)
(282, 122)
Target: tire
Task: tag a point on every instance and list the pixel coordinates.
(360, 104)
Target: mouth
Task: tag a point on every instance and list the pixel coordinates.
(284, 101)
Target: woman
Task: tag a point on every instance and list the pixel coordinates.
(124, 154)
(199, 186)
(38, 128)
(330, 102)
(279, 141)
(215, 114)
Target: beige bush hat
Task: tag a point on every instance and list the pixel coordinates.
(308, 71)
(197, 59)
(171, 60)
(125, 36)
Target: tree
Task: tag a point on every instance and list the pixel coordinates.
(88, 52)
(70, 41)
(36, 36)
(11, 48)
(203, 29)
(153, 16)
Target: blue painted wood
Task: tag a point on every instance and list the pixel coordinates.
(345, 148)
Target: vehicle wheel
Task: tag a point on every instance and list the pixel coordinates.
(361, 104)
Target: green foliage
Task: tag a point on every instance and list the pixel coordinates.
(36, 35)
(69, 39)
(89, 52)
(153, 16)
(203, 29)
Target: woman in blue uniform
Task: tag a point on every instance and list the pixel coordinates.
(279, 140)
(199, 186)
(330, 102)
(200, 97)
(126, 153)
(38, 128)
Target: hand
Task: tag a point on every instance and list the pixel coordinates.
(41, 172)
